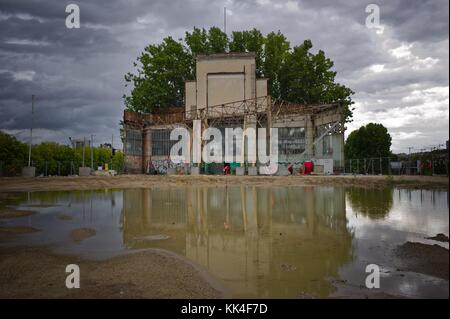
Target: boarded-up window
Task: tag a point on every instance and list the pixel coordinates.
(133, 142)
(291, 140)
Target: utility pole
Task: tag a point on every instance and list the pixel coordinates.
(84, 148)
(31, 130)
(92, 151)
(112, 150)
(225, 20)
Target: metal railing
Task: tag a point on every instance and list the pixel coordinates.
(52, 168)
(432, 165)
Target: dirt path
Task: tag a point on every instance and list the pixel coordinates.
(141, 181)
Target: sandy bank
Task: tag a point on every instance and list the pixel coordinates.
(142, 181)
(38, 273)
(422, 258)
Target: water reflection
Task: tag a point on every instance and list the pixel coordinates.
(259, 241)
(267, 242)
(374, 203)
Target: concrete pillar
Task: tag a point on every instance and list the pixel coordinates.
(309, 147)
(84, 171)
(28, 171)
(249, 122)
(146, 150)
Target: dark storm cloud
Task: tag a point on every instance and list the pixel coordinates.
(77, 74)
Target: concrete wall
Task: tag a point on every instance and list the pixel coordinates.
(222, 64)
(190, 96)
(225, 88)
(261, 87)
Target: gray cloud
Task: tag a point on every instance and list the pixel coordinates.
(399, 76)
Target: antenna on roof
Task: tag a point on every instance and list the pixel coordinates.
(225, 20)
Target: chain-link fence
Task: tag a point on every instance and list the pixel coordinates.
(54, 168)
(432, 164)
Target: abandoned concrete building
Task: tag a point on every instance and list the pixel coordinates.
(227, 94)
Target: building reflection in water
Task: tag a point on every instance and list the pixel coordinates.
(259, 241)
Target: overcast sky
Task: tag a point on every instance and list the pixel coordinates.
(398, 71)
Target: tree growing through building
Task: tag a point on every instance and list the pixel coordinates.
(295, 74)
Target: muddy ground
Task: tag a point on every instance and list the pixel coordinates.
(422, 258)
(38, 273)
(141, 181)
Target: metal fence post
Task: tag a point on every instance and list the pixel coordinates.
(381, 166)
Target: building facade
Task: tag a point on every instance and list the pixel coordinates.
(227, 94)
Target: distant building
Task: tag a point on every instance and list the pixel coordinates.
(106, 145)
(79, 142)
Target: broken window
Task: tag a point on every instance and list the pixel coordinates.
(133, 142)
(326, 132)
(291, 140)
(161, 143)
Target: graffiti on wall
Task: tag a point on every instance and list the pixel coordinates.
(162, 166)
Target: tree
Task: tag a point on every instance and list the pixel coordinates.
(308, 78)
(295, 75)
(118, 162)
(13, 155)
(250, 41)
(370, 141)
(51, 158)
(276, 49)
(159, 81)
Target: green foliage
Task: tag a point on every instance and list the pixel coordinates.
(250, 41)
(160, 80)
(295, 75)
(276, 51)
(308, 78)
(13, 154)
(118, 162)
(376, 204)
(51, 158)
(370, 141)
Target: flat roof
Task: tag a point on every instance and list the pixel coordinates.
(230, 55)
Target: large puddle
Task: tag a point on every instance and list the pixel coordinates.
(258, 241)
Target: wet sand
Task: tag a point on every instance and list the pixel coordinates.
(38, 273)
(143, 181)
(439, 237)
(422, 258)
(81, 234)
(12, 213)
(17, 229)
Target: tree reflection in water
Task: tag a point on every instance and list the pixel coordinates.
(371, 202)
